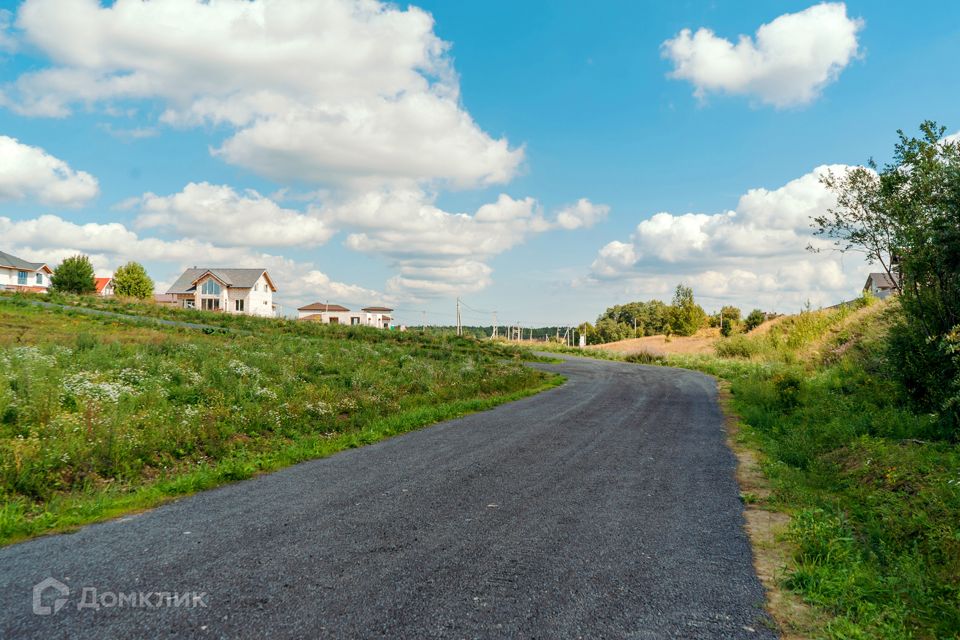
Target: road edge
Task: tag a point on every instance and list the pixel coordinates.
(765, 528)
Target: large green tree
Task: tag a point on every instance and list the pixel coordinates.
(131, 281)
(906, 218)
(687, 316)
(74, 275)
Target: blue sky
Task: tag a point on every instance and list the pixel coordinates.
(580, 93)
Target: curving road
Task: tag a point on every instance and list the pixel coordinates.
(605, 508)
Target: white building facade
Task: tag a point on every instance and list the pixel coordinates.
(237, 291)
(17, 274)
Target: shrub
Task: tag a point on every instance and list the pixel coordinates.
(645, 357)
(738, 346)
(131, 281)
(74, 275)
(754, 320)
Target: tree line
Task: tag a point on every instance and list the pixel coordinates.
(682, 317)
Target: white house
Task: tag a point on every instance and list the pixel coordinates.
(19, 275)
(880, 285)
(336, 314)
(239, 291)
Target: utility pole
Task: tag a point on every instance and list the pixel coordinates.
(424, 325)
(494, 332)
(459, 327)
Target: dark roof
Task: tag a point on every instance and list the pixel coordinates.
(376, 309)
(881, 280)
(319, 306)
(234, 278)
(7, 260)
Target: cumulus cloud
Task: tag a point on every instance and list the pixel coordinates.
(754, 255)
(582, 214)
(31, 172)
(338, 91)
(437, 252)
(787, 63)
(204, 209)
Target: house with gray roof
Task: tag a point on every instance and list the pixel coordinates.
(17, 274)
(880, 284)
(239, 291)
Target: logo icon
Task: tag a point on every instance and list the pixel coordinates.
(41, 609)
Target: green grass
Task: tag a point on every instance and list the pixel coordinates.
(875, 498)
(100, 416)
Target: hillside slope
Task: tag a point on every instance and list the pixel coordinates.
(871, 495)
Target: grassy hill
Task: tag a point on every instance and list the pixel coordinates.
(100, 415)
(873, 494)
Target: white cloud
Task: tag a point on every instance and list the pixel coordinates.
(754, 255)
(338, 91)
(581, 214)
(437, 252)
(217, 212)
(30, 172)
(788, 63)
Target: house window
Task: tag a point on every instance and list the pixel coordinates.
(238, 305)
(210, 288)
(22, 277)
(39, 278)
(211, 304)
(355, 320)
(189, 304)
(334, 320)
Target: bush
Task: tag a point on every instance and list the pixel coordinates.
(74, 275)
(754, 320)
(738, 346)
(645, 357)
(131, 281)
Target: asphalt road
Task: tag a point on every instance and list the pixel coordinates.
(605, 508)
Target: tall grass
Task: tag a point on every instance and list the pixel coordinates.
(95, 407)
(875, 498)
(788, 336)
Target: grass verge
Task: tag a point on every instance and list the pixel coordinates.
(862, 501)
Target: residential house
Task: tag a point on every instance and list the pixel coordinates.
(336, 314)
(104, 286)
(17, 274)
(238, 291)
(880, 285)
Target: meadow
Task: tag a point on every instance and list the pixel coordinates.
(102, 415)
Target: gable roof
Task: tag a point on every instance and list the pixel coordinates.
(319, 306)
(376, 309)
(232, 278)
(881, 280)
(7, 260)
(101, 283)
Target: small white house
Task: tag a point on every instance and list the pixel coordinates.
(17, 274)
(336, 314)
(238, 291)
(880, 285)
